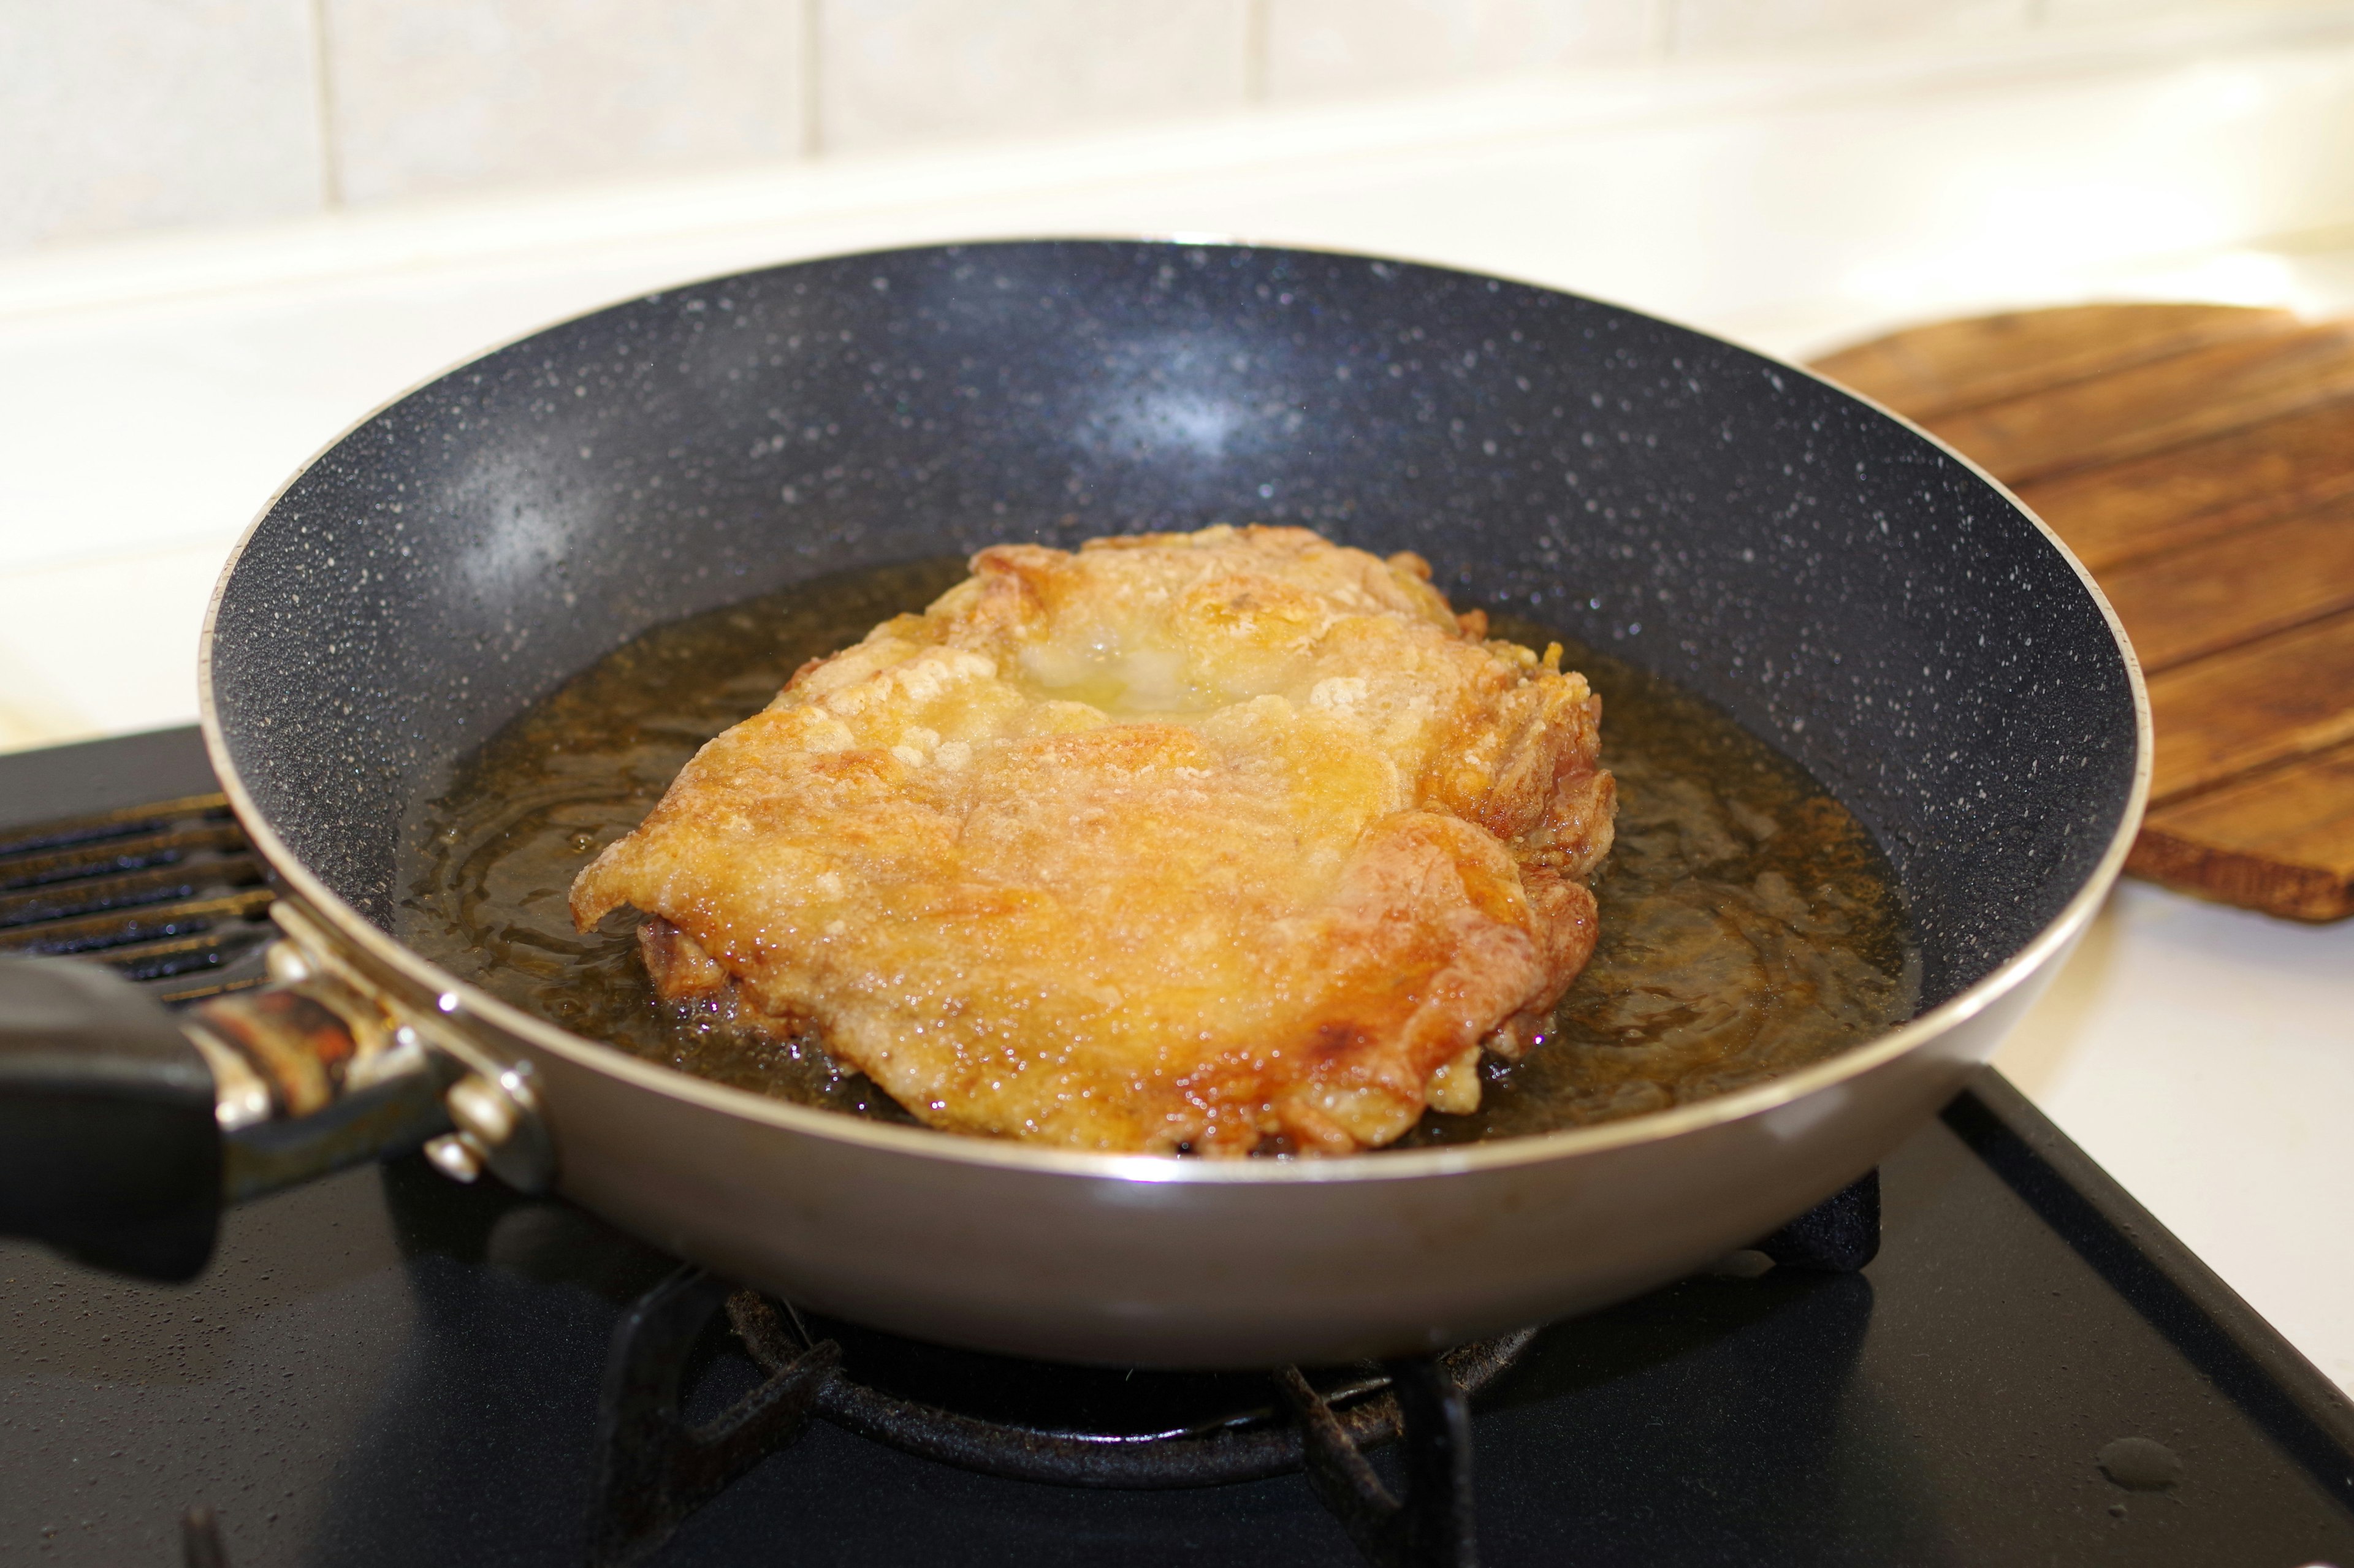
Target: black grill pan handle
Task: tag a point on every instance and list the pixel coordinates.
(110, 1149)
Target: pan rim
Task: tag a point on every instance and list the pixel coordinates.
(458, 999)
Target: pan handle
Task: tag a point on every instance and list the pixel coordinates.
(110, 1149)
(125, 1129)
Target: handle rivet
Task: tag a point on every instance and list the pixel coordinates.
(498, 1122)
(484, 1109)
(456, 1156)
(287, 964)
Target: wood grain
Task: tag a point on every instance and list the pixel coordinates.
(2199, 459)
(2282, 839)
(2117, 514)
(2265, 703)
(2148, 407)
(1950, 365)
(2210, 597)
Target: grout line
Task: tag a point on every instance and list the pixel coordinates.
(1255, 26)
(1662, 43)
(331, 175)
(812, 112)
(369, 241)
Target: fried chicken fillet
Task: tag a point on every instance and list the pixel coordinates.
(1179, 842)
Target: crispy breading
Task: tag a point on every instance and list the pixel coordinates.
(1181, 841)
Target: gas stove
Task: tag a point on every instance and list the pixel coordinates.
(387, 1368)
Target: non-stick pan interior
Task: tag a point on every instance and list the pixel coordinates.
(1842, 585)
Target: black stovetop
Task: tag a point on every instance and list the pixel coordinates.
(390, 1368)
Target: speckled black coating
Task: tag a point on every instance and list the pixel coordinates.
(1841, 585)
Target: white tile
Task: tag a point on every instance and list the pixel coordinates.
(1315, 46)
(122, 114)
(102, 647)
(2067, 11)
(170, 426)
(1715, 27)
(898, 71)
(442, 95)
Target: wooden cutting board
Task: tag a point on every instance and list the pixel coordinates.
(2199, 461)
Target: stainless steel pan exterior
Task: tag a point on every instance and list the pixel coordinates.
(1845, 587)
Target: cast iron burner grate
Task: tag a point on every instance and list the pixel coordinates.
(655, 1467)
(170, 895)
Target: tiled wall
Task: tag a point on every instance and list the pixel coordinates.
(1709, 28)
(440, 95)
(117, 115)
(120, 115)
(893, 72)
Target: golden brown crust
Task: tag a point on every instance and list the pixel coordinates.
(1175, 842)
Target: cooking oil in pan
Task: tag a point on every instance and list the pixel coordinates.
(1749, 925)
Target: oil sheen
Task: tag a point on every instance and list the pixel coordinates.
(1749, 925)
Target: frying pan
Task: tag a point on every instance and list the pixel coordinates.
(1842, 585)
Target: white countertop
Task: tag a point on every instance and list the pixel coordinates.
(153, 396)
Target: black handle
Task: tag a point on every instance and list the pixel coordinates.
(109, 1146)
